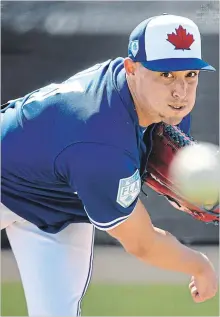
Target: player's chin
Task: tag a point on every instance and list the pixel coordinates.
(176, 118)
(172, 120)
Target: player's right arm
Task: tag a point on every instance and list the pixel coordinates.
(160, 248)
(156, 246)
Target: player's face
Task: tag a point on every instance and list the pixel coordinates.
(167, 96)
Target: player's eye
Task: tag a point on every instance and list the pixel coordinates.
(192, 74)
(167, 75)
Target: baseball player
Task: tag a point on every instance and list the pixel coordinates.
(71, 161)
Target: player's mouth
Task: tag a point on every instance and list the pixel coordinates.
(176, 107)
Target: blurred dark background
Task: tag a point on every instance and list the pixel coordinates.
(44, 42)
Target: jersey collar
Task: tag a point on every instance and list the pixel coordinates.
(121, 86)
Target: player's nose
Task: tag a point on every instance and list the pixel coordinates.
(179, 90)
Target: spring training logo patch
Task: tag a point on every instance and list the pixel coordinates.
(128, 189)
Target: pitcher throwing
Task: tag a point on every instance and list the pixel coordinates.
(73, 158)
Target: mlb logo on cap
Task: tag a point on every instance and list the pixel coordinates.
(167, 43)
(134, 47)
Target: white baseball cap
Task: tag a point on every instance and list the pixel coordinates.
(167, 43)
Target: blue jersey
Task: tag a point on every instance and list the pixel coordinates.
(71, 152)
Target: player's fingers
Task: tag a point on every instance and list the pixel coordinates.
(198, 299)
(191, 285)
(192, 279)
(194, 292)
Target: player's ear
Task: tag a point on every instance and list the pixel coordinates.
(129, 66)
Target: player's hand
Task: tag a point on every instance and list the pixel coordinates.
(204, 286)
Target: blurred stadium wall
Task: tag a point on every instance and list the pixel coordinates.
(44, 42)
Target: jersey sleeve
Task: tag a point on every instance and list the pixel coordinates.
(105, 178)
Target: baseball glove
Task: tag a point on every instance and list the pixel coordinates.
(167, 140)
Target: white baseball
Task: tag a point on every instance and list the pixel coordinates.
(195, 171)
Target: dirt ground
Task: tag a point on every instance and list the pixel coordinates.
(114, 265)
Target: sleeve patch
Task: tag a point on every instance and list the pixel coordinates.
(128, 189)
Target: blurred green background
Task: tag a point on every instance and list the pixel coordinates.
(120, 286)
(122, 300)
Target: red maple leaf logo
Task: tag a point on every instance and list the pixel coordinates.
(180, 39)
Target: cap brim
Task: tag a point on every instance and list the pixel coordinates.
(177, 64)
